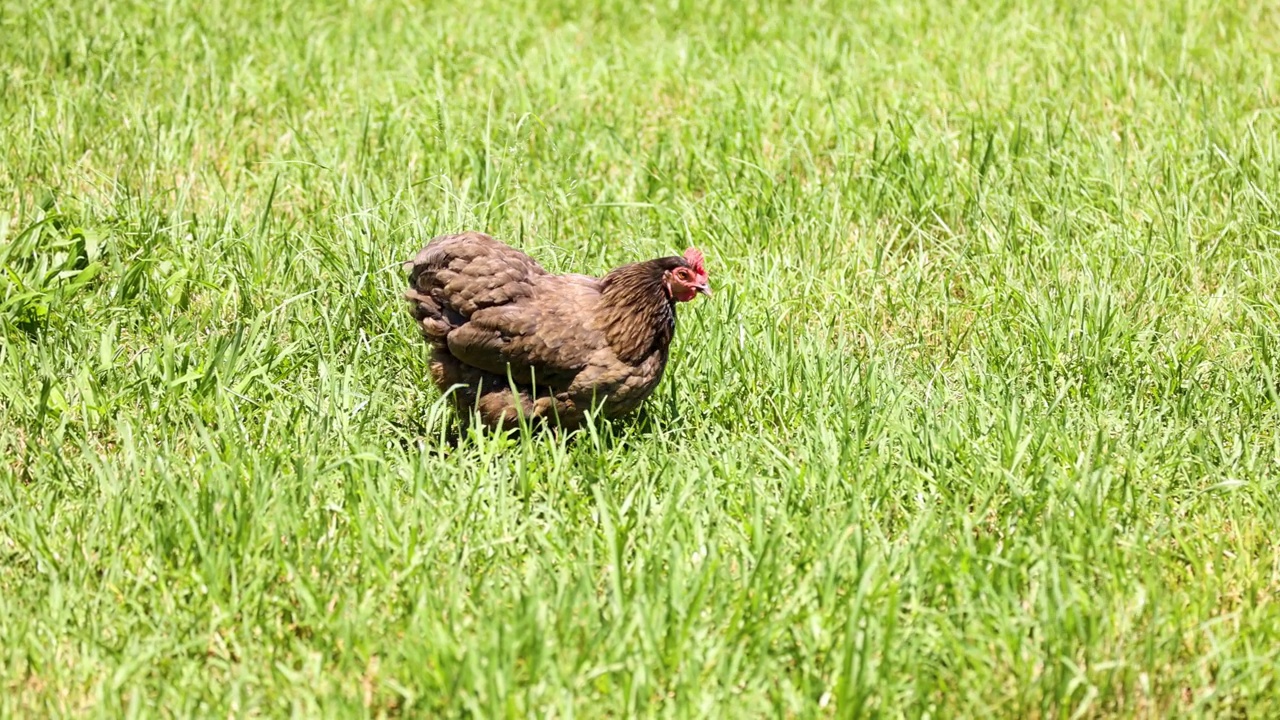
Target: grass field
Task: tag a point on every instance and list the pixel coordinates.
(981, 421)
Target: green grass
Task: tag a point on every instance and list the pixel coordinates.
(982, 419)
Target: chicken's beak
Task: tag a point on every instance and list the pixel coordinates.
(704, 288)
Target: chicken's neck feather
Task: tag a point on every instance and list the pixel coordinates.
(636, 312)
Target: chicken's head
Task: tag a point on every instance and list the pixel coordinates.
(684, 282)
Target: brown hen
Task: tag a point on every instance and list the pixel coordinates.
(510, 340)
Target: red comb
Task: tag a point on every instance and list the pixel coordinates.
(694, 256)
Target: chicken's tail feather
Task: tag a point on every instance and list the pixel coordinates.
(434, 321)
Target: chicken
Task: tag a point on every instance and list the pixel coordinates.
(509, 340)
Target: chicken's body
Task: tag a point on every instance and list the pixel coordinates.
(510, 340)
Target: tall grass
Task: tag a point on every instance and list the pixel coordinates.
(981, 420)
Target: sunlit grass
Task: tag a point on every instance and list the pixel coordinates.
(982, 419)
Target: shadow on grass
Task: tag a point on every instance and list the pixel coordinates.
(442, 436)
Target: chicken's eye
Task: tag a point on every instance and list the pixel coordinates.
(683, 275)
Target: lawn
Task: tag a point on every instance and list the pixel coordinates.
(982, 420)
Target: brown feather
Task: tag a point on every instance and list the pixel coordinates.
(509, 339)
(639, 315)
